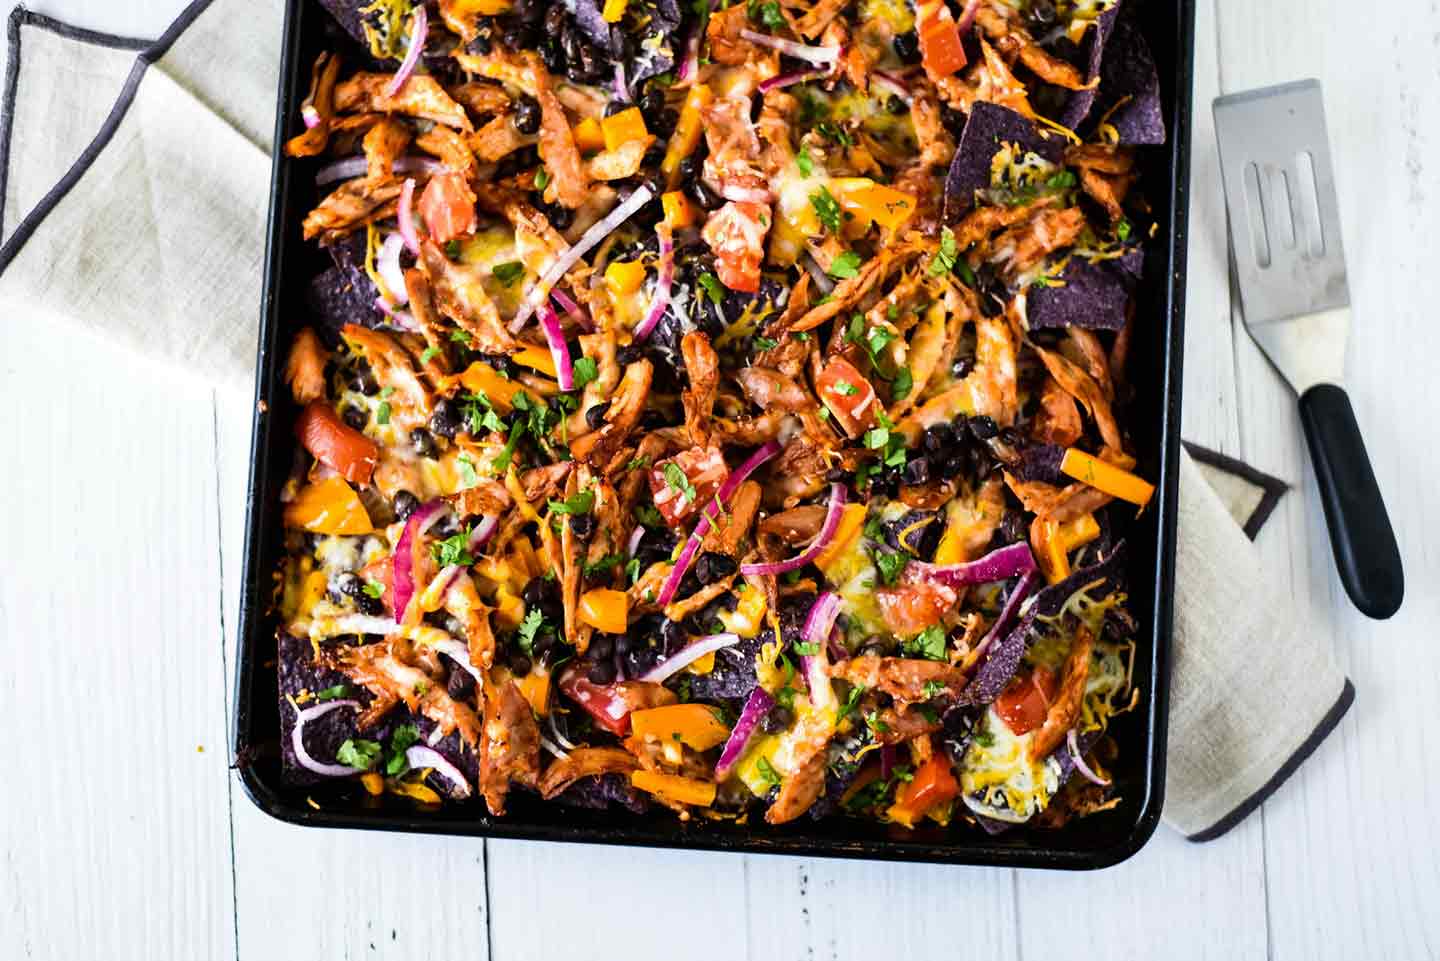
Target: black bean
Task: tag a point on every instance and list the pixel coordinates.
(839, 475)
(653, 419)
(602, 647)
(555, 20)
(665, 123)
(623, 644)
(714, 566)
(364, 382)
(688, 170)
(705, 197)
(516, 37)
(553, 54)
(423, 442)
(1042, 12)
(1013, 527)
(545, 643)
(954, 465)
(872, 649)
(962, 367)
(404, 504)
(651, 104)
(529, 11)
(560, 217)
(672, 635)
(535, 592)
(368, 605)
(461, 685)
(895, 105)
(445, 419)
(628, 355)
(349, 584)
(907, 47)
(1012, 436)
(615, 106)
(356, 417)
(595, 416)
(777, 720)
(582, 526)
(939, 438)
(983, 427)
(602, 672)
(519, 664)
(527, 114)
(917, 471)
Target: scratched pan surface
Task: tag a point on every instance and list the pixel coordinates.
(1092, 842)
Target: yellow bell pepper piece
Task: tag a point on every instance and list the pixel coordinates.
(509, 609)
(1089, 469)
(867, 200)
(480, 378)
(748, 616)
(415, 790)
(614, 10)
(312, 589)
(374, 783)
(605, 610)
(484, 8)
(330, 506)
(536, 358)
(948, 551)
(687, 132)
(624, 276)
(623, 127)
(851, 521)
(1049, 550)
(692, 724)
(679, 211)
(672, 787)
(588, 135)
(702, 665)
(535, 686)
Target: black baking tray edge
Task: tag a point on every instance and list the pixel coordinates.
(1094, 842)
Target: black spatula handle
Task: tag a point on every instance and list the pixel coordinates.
(1360, 532)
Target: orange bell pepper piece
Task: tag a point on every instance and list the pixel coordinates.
(687, 132)
(623, 127)
(693, 724)
(536, 358)
(535, 687)
(1088, 469)
(605, 610)
(330, 506)
(867, 200)
(679, 211)
(932, 785)
(672, 787)
(480, 378)
(624, 276)
(588, 135)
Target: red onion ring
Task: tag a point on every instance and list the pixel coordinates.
(419, 25)
(597, 232)
(622, 90)
(1008, 612)
(402, 560)
(405, 215)
(460, 654)
(348, 168)
(559, 350)
(998, 565)
(967, 16)
(821, 618)
(786, 79)
(883, 80)
(712, 510)
(572, 310)
(663, 285)
(822, 540)
(689, 655)
(419, 756)
(297, 739)
(817, 274)
(754, 711)
(387, 265)
(690, 65)
(483, 532)
(1072, 742)
(635, 537)
(800, 51)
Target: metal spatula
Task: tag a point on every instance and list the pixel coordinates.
(1285, 241)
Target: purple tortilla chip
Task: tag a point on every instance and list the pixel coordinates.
(1081, 102)
(601, 791)
(989, 126)
(1128, 74)
(733, 675)
(1041, 463)
(597, 29)
(343, 293)
(1090, 295)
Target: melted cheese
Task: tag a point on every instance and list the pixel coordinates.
(999, 780)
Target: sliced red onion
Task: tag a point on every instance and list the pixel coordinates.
(405, 216)
(689, 655)
(1073, 743)
(437, 734)
(890, 85)
(387, 265)
(1022, 590)
(998, 565)
(483, 532)
(559, 350)
(402, 319)
(458, 652)
(349, 168)
(663, 284)
(754, 711)
(745, 195)
(430, 597)
(297, 739)
(822, 540)
(712, 510)
(421, 756)
(597, 232)
(310, 115)
(787, 79)
(402, 561)
(817, 274)
(572, 310)
(967, 16)
(690, 65)
(419, 25)
(637, 535)
(800, 51)
(821, 618)
(819, 625)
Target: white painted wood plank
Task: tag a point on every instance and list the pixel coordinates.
(553, 901)
(114, 836)
(309, 893)
(1348, 843)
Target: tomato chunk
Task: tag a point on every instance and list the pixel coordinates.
(610, 705)
(848, 395)
(335, 444)
(703, 470)
(448, 207)
(941, 49)
(911, 608)
(736, 233)
(1025, 703)
(933, 784)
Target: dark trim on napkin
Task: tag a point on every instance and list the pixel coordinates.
(150, 53)
(1274, 487)
(1306, 748)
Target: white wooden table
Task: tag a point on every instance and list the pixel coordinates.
(124, 835)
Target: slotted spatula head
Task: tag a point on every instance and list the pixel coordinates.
(1285, 228)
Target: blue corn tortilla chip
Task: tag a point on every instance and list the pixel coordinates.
(1042, 463)
(734, 673)
(645, 52)
(989, 126)
(1129, 95)
(1090, 295)
(1078, 108)
(343, 293)
(603, 790)
(596, 29)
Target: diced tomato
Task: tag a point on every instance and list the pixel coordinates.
(380, 571)
(610, 705)
(704, 469)
(335, 444)
(736, 233)
(933, 784)
(940, 47)
(448, 207)
(848, 395)
(1025, 703)
(911, 608)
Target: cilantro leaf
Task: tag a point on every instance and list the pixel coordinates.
(602, 565)
(889, 564)
(711, 285)
(765, 343)
(767, 771)
(676, 480)
(827, 208)
(468, 475)
(807, 648)
(933, 689)
(460, 337)
(845, 265)
(508, 272)
(428, 354)
(585, 370)
(579, 502)
(649, 516)
(528, 629)
(804, 161)
(405, 736)
(382, 413)
(542, 178)
(945, 257)
(373, 590)
(331, 693)
(454, 549)
(904, 381)
(1122, 230)
(358, 753)
(929, 643)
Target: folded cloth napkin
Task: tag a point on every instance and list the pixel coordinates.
(133, 198)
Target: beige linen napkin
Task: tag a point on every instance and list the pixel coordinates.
(135, 192)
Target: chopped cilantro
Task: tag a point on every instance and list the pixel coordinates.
(452, 249)
(984, 739)
(382, 413)
(373, 590)
(845, 265)
(460, 337)
(804, 162)
(852, 701)
(904, 381)
(676, 480)
(331, 693)
(966, 274)
(877, 437)
(466, 466)
(807, 648)
(542, 178)
(528, 629)
(508, 272)
(585, 370)
(404, 737)
(579, 502)
(604, 564)
(846, 389)
(767, 771)
(711, 285)
(933, 689)
(1122, 230)
(890, 564)
(632, 570)
(873, 722)
(478, 411)
(358, 753)
(428, 354)
(945, 257)
(649, 516)
(765, 343)
(454, 549)
(827, 208)
(929, 643)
